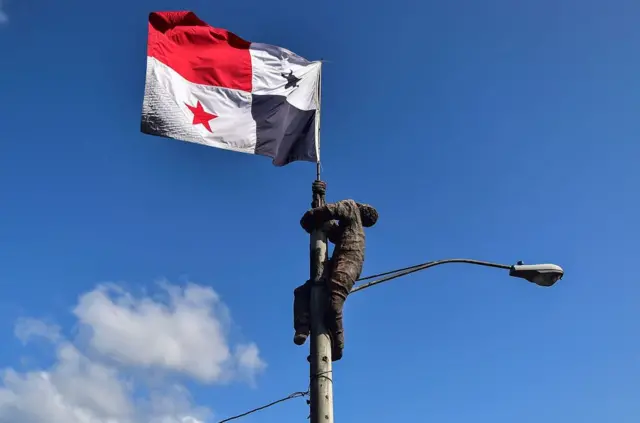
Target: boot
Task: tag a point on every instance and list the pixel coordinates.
(300, 337)
(337, 345)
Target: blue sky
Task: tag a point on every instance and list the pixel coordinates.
(494, 130)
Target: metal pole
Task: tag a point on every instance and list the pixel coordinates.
(321, 383)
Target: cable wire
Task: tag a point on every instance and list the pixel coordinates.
(292, 396)
(390, 272)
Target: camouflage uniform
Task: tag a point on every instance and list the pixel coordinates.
(344, 224)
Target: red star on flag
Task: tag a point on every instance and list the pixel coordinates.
(200, 116)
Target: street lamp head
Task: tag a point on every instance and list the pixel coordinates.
(540, 274)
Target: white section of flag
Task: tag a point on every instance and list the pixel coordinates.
(233, 129)
(270, 63)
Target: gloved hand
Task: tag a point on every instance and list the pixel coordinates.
(319, 186)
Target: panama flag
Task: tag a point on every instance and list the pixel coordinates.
(208, 86)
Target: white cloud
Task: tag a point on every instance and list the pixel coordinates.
(248, 361)
(29, 328)
(187, 334)
(74, 390)
(172, 405)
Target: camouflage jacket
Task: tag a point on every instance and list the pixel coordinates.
(342, 223)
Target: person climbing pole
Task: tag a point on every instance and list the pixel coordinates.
(343, 223)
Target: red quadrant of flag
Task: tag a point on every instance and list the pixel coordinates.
(199, 52)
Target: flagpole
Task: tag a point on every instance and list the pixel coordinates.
(320, 362)
(318, 112)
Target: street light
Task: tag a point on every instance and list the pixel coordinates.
(322, 394)
(540, 274)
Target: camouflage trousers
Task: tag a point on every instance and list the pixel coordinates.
(339, 285)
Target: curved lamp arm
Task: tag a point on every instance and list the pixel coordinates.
(543, 274)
